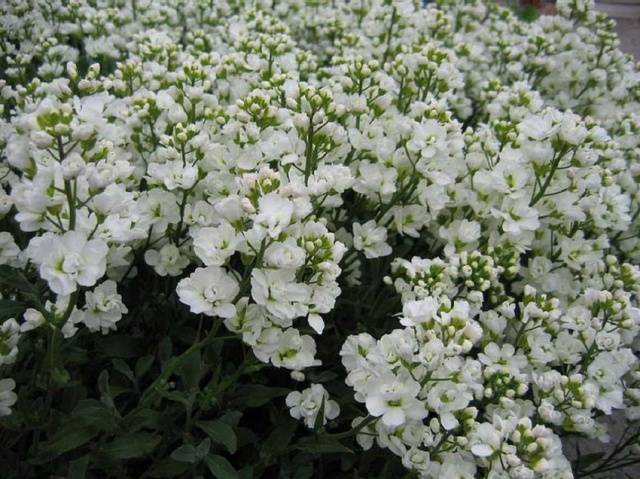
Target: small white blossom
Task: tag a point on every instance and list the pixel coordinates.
(9, 337)
(209, 290)
(169, 260)
(102, 310)
(68, 260)
(370, 239)
(306, 405)
(7, 396)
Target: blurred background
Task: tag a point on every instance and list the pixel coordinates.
(625, 12)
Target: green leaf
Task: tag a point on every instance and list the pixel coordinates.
(220, 433)
(256, 395)
(11, 309)
(246, 259)
(103, 383)
(120, 346)
(15, 279)
(135, 444)
(168, 468)
(60, 376)
(185, 453)
(177, 396)
(68, 438)
(322, 377)
(105, 389)
(279, 438)
(220, 467)
(254, 368)
(91, 412)
(246, 472)
(78, 468)
(189, 369)
(319, 422)
(322, 445)
(245, 436)
(528, 13)
(143, 365)
(588, 459)
(165, 349)
(145, 418)
(303, 471)
(124, 369)
(203, 449)
(232, 418)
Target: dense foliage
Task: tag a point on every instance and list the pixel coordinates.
(314, 239)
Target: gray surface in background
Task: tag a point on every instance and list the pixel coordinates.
(629, 33)
(617, 424)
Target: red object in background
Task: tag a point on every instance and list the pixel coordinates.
(543, 7)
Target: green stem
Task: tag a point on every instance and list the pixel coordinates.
(309, 151)
(53, 356)
(353, 431)
(389, 35)
(68, 190)
(173, 364)
(547, 181)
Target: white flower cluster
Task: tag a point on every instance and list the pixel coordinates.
(494, 374)
(310, 403)
(254, 151)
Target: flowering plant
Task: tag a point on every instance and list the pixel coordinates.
(349, 239)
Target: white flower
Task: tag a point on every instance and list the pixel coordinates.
(316, 322)
(102, 310)
(32, 319)
(461, 232)
(68, 260)
(416, 459)
(445, 397)
(209, 290)
(428, 138)
(330, 178)
(9, 250)
(395, 400)
(159, 209)
(371, 239)
(7, 396)
(504, 358)
(460, 465)
(518, 218)
(285, 255)
(409, 220)
(536, 127)
(9, 337)
(486, 440)
(73, 166)
(167, 261)
(58, 310)
(278, 291)
(294, 351)
(306, 405)
(5, 200)
(356, 350)
(213, 245)
(374, 178)
(274, 214)
(415, 313)
(173, 174)
(571, 129)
